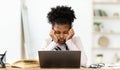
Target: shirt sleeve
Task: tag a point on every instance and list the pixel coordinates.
(48, 45)
(71, 45)
(76, 44)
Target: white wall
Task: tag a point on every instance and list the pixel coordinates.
(10, 29)
(39, 27)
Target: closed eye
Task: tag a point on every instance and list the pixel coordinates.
(66, 32)
(57, 32)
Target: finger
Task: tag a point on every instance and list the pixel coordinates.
(52, 32)
(71, 31)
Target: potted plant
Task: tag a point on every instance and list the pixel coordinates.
(97, 26)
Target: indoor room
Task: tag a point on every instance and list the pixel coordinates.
(25, 25)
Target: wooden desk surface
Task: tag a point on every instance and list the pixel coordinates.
(57, 69)
(38, 68)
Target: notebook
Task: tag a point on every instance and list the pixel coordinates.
(59, 59)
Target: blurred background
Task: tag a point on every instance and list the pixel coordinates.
(24, 25)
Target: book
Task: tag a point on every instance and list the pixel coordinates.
(99, 12)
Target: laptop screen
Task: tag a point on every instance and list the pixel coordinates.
(59, 59)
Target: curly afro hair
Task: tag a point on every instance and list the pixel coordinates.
(61, 15)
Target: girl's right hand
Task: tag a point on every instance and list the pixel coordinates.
(53, 36)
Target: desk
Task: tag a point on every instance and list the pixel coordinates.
(56, 69)
(8, 67)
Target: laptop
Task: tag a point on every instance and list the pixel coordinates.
(59, 59)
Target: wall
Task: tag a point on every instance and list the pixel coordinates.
(39, 27)
(10, 38)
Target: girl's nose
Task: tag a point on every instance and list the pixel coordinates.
(61, 35)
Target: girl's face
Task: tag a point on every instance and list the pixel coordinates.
(61, 31)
